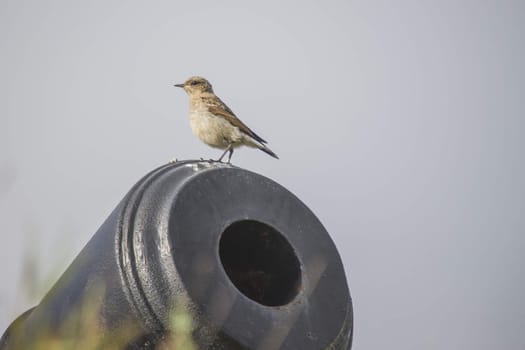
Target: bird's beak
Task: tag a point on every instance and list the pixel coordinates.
(179, 85)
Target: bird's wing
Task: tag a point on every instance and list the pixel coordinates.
(216, 106)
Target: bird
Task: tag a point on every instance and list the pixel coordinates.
(214, 123)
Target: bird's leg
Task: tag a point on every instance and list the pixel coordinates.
(225, 151)
(230, 155)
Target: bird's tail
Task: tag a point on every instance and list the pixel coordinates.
(259, 143)
(267, 150)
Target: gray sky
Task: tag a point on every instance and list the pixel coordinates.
(398, 123)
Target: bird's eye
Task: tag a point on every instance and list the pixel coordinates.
(194, 82)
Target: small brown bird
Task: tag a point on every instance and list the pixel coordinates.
(215, 124)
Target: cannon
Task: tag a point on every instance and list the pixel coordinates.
(198, 255)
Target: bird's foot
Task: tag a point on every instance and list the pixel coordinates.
(173, 160)
(208, 160)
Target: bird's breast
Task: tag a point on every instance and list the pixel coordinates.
(213, 130)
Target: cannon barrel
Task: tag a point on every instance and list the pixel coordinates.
(203, 254)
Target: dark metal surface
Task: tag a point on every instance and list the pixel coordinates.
(240, 255)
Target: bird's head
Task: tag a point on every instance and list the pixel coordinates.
(196, 85)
